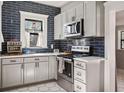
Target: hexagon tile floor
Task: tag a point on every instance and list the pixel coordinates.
(46, 87)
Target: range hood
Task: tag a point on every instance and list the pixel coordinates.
(1, 39)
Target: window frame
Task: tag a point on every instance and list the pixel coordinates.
(33, 16)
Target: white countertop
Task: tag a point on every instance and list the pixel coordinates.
(33, 55)
(89, 58)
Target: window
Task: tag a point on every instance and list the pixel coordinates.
(33, 30)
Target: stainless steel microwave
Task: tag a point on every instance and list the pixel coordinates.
(74, 29)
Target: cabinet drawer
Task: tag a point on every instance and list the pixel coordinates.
(36, 59)
(79, 64)
(79, 87)
(80, 74)
(12, 60)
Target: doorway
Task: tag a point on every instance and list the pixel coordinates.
(120, 51)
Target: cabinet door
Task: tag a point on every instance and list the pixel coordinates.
(12, 75)
(90, 18)
(29, 72)
(52, 68)
(41, 72)
(57, 27)
(80, 11)
(64, 21)
(0, 73)
(71, 16)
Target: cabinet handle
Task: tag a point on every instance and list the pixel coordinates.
(79, 64)
(59, 36)
(79, 74)
(78, 87)
(35, 64)
(12, 60)
(38, 64)
(36, 58)
(22, 66)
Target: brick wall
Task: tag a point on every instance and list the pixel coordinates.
(11, 18)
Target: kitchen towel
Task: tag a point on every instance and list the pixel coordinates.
(61, 64)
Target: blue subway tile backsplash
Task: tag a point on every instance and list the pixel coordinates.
(11, 27)
(96, 44)
(11, 19)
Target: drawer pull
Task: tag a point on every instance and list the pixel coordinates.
(12, 60)
(78, 87)
(78, 64)
(79, 74)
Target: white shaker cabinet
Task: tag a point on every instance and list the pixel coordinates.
(35, 69)
(52, 67)
(89, 74)
(1, 36)
(71, 16)
(59, 22)
(41, 72)
(0, 73)
(80, 11)
(57, 27)
(29, 72)
(93, 18)
(90, 18)
(12, 72)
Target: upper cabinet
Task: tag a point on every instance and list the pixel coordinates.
(57, 27)
(71, 16)
(1, 36)
(93, 18)
(90, 18)
(75, 13)
(79, 11)
(91, 11)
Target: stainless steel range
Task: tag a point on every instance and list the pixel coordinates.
(66, 76)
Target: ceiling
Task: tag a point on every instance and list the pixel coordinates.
(53, 3)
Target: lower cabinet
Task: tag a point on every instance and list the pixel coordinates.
(35, 69)
(0, 73)
(41, 71)
(52, 67)
(18, 71)
(89, 74)
(12, 74)
(29, 72)
(34, 72)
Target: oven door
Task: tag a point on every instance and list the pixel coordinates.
(65, 79)
(67, 71)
